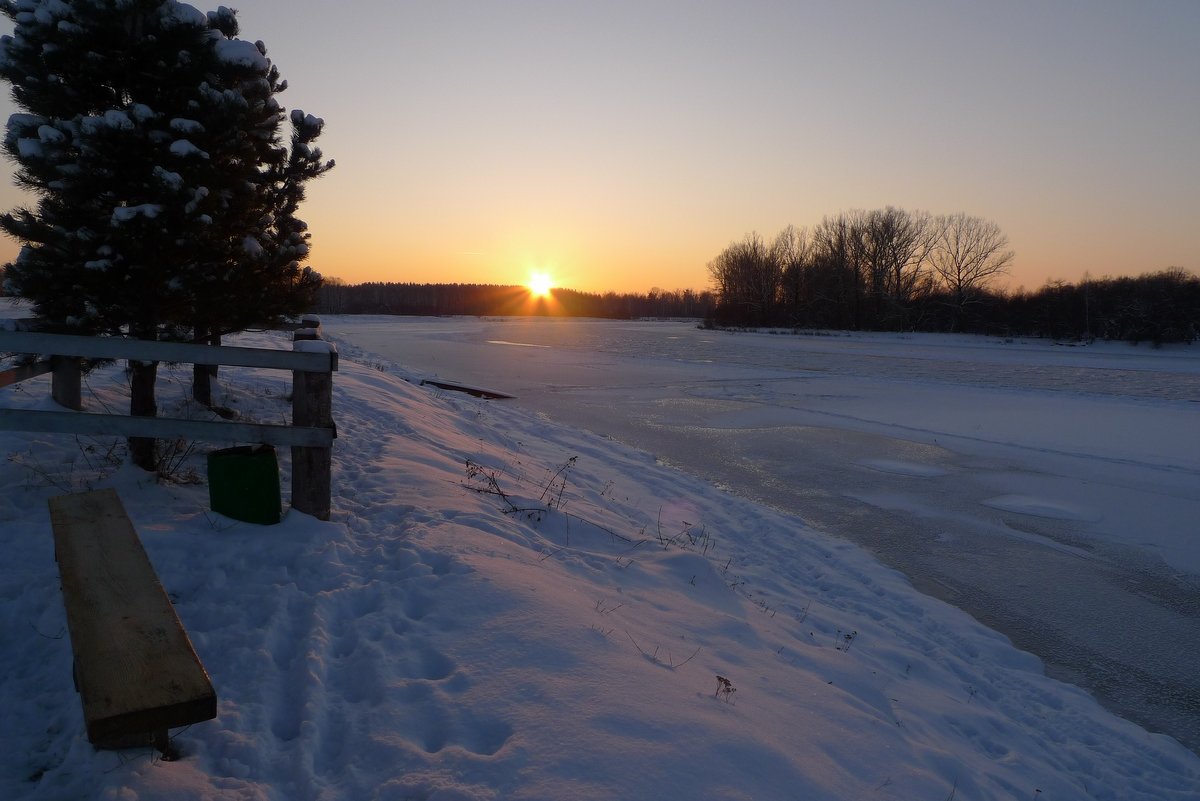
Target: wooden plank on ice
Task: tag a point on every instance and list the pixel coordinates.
(490, 394)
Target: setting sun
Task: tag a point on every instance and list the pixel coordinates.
(540, 285)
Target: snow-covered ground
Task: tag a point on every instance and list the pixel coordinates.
(506, 607)
(1049, 490)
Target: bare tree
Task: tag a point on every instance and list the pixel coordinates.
(745, 275)
(896, 248)
(838, 247)
(792, 252)
(968, 253)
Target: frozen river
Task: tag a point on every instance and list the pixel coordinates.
(1052, 492)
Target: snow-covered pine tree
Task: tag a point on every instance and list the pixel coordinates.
(249, 264)
(151, 137)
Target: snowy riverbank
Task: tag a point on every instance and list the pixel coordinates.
(430, 642)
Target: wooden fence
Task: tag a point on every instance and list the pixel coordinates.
(312, 362)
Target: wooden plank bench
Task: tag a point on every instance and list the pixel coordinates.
(135, 669)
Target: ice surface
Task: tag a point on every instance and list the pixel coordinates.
(1042, 507)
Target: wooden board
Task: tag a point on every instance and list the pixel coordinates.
(183, 352)
(135, 667)
(489, 394)
(163, 428)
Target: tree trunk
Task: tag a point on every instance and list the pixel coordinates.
(214, 340)
(142, 404)
(201, 373)
(201, 384)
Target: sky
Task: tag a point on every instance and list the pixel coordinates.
(622, 145)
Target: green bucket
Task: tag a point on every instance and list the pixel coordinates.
(243, 483)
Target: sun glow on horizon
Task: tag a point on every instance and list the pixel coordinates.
(540, 284)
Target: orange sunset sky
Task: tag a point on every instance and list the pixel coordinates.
(622, 145)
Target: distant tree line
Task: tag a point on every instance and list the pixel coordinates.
(338, 297)
(896, 270)
(1155, 307)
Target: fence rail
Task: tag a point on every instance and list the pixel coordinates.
(164, 428)
(310, 436)
(147, 351)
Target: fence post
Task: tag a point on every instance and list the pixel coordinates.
(312, 405)
(66, 382)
